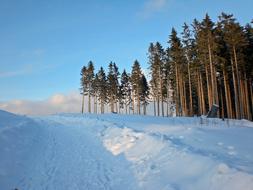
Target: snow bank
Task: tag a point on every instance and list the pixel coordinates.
(170, 155)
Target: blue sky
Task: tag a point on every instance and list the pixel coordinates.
(43, 44)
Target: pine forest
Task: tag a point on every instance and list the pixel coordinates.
(206, 63)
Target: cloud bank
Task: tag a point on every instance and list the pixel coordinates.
(57, 103)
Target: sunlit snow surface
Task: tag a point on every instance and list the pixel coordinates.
(119, 152)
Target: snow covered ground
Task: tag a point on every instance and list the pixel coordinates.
(74, 151)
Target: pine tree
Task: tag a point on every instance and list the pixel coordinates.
(160, 61)
(113, 85)
(188, 43)
(144, 94)
(235, 40)
(102, 89)
(158, 75)
(153, 81)
(206, 45)
(126, 90)
(89, 80)
(177, 72)
(248, 52)
(198, 69)
(95, 86)
(83, 85)
(167, 83)
(224, 74)
(136, 84)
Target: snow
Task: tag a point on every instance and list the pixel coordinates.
(112, 151)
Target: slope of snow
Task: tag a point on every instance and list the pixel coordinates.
(185, 153)
(73, 151)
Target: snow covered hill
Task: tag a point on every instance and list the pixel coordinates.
(74, 151)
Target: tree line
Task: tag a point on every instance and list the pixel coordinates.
(208, 63)
(121, 92)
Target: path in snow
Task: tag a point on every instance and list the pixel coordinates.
(69, 157)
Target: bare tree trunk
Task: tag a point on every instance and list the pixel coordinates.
(162, 100)
(215, 89)
(83, 104)
(111, 104)
(144, 109)
(247, 98)
(94, 104)
(158, 105)
(235, 91)
(167, 108)
(177, 93)
(139, 105)
(200, 107)
(181, 95)
(222, 114)
(190, 90)
(227, 95)
(185, 103)
(167, 102)
(244, 93)
(116, 106)
(215, 97)
(154, 107)
(251, 95)
(232, 114)
(238, 83)
(89, 102)
(133, 102)
(209, 89)
(202, 95)
(168, 87)
(244, 114)
(101, 106)
(212, 75)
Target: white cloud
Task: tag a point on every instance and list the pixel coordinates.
(55, 104)
(58, 103)
(153, 6)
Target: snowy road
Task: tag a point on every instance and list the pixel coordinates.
(100, 152)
